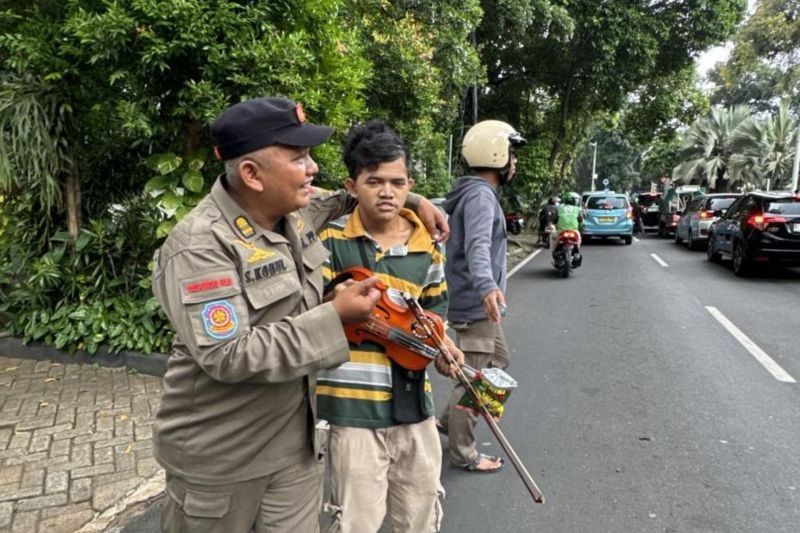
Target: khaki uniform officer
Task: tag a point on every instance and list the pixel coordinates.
(240, 279)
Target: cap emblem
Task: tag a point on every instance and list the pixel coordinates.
(299, 113)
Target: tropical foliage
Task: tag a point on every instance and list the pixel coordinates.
(105, 107)
(733, 148)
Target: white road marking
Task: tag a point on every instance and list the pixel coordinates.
(523, 262)
(636, 239)
(761, 356)
(659, 260)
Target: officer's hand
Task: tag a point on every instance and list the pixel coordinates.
(339, 288)
(494, 305)
(441, 364)
(354, 302)
(433, 219)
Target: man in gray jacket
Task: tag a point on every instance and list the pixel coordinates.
(476, 274)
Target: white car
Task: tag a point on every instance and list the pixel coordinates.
(698, 216)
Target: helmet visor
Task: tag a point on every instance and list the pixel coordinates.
(516, 139)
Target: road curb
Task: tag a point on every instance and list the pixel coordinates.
(154, 364)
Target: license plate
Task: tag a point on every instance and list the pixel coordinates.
(796, 227)
(612, 219)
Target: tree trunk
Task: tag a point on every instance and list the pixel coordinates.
(565, 164)
(72, 194)
(562, 126)
(723, 184)
(192, 136)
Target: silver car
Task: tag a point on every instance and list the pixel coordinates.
(698, 216)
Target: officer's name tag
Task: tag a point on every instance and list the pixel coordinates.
(262, 272)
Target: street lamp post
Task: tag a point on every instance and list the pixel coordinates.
(594, 162)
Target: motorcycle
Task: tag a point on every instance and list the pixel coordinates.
(546, 233)
(514, 223)
(566, 252)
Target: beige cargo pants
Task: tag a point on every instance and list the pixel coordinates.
(375, 470)
(484, 344)
(287, 501)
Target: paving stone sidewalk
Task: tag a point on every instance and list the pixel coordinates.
(75, 441)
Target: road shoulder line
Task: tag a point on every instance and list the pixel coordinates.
(524, 262)
(659, 260)
(761, 356)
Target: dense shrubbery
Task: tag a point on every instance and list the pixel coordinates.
(105, 106)
(104, 113)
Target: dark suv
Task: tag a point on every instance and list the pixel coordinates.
(645, 209)
(757, 228)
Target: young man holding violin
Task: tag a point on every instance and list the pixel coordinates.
(384, 450)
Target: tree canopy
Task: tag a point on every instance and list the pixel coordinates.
(105, 108)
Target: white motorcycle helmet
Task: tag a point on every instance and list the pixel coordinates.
(488, 144)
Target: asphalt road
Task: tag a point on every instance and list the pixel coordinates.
(638, 411)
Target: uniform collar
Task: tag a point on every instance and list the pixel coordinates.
(241, 223)
(420, 240)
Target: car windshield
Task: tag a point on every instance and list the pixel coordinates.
(647, 201)
(784, 206)
(719, 203)
(607, 202)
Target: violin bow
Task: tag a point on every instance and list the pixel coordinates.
(523, 473)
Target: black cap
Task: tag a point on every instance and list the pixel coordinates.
(248, 126)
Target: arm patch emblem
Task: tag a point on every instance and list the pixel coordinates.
(220, 320)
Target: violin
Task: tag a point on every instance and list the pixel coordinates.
(394, 326)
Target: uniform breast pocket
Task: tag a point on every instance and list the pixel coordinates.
(313, 258)
(272, 291)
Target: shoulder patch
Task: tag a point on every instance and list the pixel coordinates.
(209, 284)
(219, 319)
(244, 227)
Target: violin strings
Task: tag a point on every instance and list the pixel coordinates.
(400, 337)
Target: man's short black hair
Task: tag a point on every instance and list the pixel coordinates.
(370, 144)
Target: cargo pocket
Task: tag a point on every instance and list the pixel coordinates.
(206, 504)
(478, 337)
(313, 258)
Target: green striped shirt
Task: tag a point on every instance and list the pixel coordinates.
(359, 392)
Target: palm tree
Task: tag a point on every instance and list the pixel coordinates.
(708, 147)
(765, 150)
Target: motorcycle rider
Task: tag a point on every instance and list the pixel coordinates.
(547, 216)
(569, 216)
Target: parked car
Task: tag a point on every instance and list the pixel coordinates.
(698, 216)
(758, 228)
(672, 203)
(645, 210)
(608, 215)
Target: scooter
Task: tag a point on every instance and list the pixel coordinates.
(514, 223)
(546, 232)
(566, 253)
